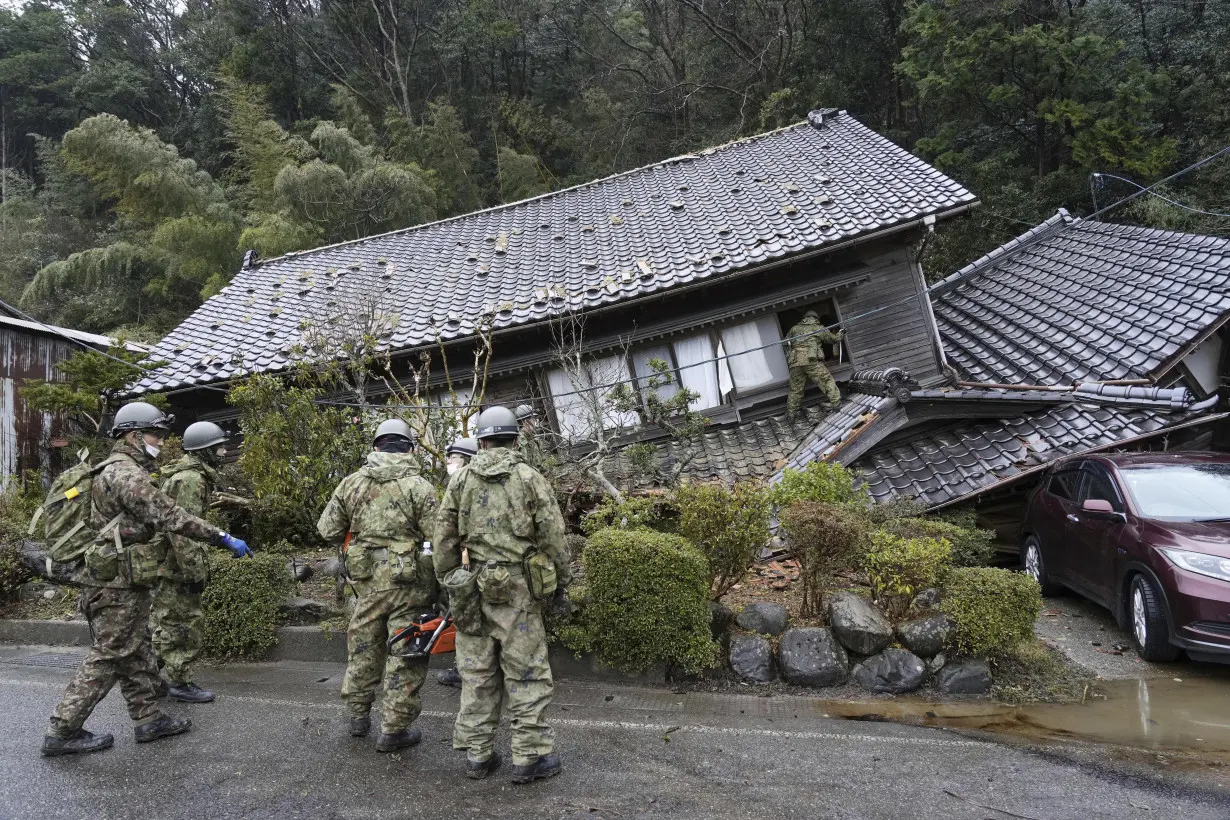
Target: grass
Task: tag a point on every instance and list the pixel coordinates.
(1035, 673)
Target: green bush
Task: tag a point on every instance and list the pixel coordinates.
(242, 605)
(896, 507)
(730, 526)
(644, 512)
(971, 547)
(18, 503)
(826, 539)
(645, 602)
(818, 481)
(899, 567)
(993, 609)
(13, 572)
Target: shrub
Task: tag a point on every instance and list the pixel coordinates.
(13, 572)
(993, 609)
(894, 508)
(645, 512)
(826, 539)
(18, 502)
(818, 481)
(242, 603)
(645, 602)
(971, 547)
(730, 526)
(899, 567)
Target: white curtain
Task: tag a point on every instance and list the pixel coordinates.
(640, 362)
(752, 364)
(725, 383)
(578, 403)
(605, 374)
(697, 370)
(570, 413)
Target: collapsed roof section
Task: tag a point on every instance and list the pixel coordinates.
(806, 188)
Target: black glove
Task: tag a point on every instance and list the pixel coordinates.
(561, 604)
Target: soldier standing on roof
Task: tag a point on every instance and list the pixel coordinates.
(805, 357)
(504, 514)
(176, 613)
(388, 509)
(127, 511)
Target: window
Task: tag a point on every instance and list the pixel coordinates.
(641, 359)
(829, 317)
(698, 371)
(1065, 484)
(755, 353)
(580, 398)
(1099, 486)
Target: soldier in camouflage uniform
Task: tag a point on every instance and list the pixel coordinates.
(459, 454)
(500, 509)
(529, 443)
(128, 511)
(806, 360)
(389, 511)
(176, 613)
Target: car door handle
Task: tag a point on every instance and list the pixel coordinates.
(1073, 518)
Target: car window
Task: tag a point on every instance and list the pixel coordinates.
(1099, 486)
(1065, 484)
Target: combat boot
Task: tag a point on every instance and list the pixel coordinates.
(449, 677)
(544, 767)
(398, 740)
(189, 693)
(479, 769)
(80, 743)
(164, 726)
(162, 687)
(360, 726)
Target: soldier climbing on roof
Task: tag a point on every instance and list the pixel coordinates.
(805, 357)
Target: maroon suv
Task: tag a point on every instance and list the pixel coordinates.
(1146, 535)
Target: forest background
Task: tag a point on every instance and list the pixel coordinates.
(147, 144)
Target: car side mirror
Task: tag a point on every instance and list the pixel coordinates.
(1097, 505)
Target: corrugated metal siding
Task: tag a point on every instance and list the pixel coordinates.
(898, 336)
(26, 434)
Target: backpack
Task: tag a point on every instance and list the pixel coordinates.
(66, 517)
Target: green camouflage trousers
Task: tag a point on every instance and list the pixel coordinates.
(377, 616)
(175, 620)
(507, 665)
(119, 622)
(820, 375)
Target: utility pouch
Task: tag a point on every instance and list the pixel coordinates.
(359, 563)
(403, 562)
(146, 559)
(464, 602)
(102, 560)
(540, 575)
(495, 584)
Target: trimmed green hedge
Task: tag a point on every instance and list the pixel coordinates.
(971, 547)
(994, 609)
(242, 604)
(646, 602)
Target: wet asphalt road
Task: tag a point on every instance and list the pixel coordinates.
(274, 746)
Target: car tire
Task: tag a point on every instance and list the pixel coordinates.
(1147, 622)
(1033, 565)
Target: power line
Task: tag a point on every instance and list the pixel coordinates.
(1160, 196)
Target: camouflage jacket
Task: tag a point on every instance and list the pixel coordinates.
(804, 348)
(125, 490)
(499, 508)
(189, 482)
(533, 453)
(389, 510)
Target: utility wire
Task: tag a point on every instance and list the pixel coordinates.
(1160, 196)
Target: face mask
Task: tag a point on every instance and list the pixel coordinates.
(452, 468)
(152, 450)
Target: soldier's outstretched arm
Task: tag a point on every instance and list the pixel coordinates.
(549, 527)
(145, 502)
(446, 546)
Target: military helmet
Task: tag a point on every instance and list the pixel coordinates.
(203, 434)
(467, 447)
(394, 427)
(497, 422)
(524, 411)
(139, 415)
(811, 314)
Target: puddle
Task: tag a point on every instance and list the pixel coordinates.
(1188, 715)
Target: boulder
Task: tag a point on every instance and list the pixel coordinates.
(893, 671)
(925, 637)
(300, 570)
(305, 611)
(751, 658)
(811, 656)
(763, 619)
(966, 678)
(859, 626)
(330, 568)
(720, 618)
(927, 599)
(936, 664)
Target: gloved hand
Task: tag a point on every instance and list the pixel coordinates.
(238, 547)
(561, 604)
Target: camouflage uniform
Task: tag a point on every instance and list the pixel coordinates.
(498, 508)
(806, 360)
(117, 608)
(533, 453)
(389, 510)
(176, 610)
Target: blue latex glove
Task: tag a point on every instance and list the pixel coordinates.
(238, 547)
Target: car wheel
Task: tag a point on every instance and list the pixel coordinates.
(1147, 619)
(1033, 565)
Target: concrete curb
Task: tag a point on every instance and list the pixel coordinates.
(315, 645)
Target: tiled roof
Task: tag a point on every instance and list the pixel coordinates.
(838, 427)
(968, 457)
(668, 225)
(1082, 301)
